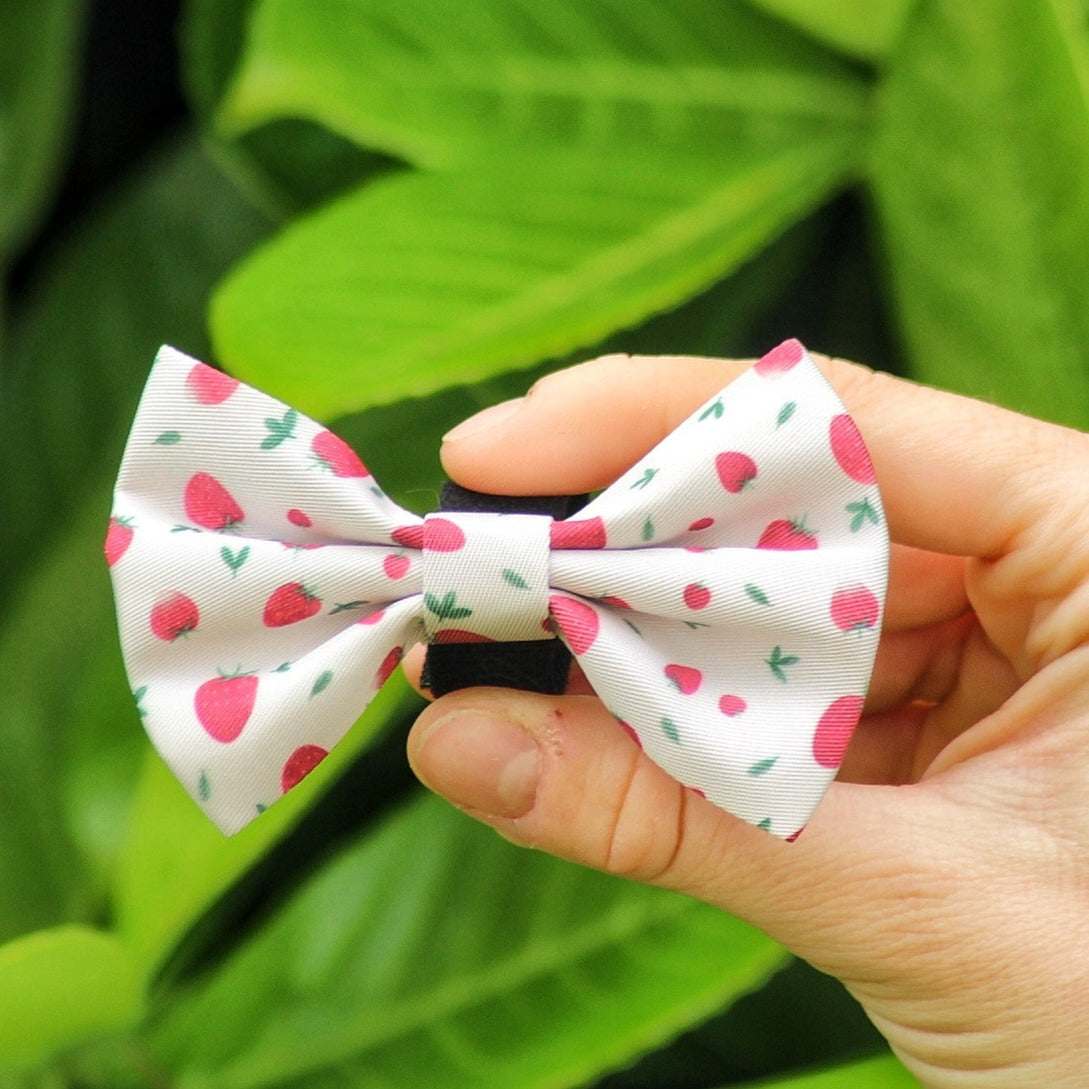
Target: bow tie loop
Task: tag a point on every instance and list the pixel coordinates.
(486, 577)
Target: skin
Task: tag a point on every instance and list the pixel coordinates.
(945, 877)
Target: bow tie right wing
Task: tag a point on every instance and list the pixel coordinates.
(729, 609)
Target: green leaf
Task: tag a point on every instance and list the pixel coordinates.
(475, 274)
(235, 559)
(862, 513)
(81, 346)
(61, 987)
(176, 863)
(778, 662)
(446, 607)
(39, 50)
(433, 953)
(515, 579)
(884, 1072)
(785, 413)
(82, 343)
(761, 767)
(279, 430)
(508, 74)
(72, 735)
(322, 683)
(287, 165)
(981, 177)
(168, 438)
(865, 28)
(757, 594)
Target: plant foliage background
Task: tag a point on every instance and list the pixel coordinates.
(391, 210)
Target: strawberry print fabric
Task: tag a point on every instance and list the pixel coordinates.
(723, 597)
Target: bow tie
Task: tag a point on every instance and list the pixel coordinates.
(722, 597)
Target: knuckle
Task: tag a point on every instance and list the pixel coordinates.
(642, 838)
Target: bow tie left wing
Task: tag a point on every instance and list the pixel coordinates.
(264, 588)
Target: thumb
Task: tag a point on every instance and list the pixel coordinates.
(559, 773)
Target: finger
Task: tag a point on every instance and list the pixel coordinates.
(920, 664)
(957, 476)
(558, 774)
(924, 588)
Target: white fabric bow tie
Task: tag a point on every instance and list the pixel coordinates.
(723, 597)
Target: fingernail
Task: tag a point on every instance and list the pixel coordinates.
(484, 420)
(480, 762)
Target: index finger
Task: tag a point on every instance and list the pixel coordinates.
(957, 475)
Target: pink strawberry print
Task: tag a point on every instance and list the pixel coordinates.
(300, 764)
(209, 386)
(290, 603)
(442, 535)
(408, 536)
(224, 705)
(460, 635)
(388, 665)
(686, 679)
(849, 450)
(854, 608)
(615, 602)
(786, 535)
(118, 538)
(834, 730)
(779, 360)
(299, 518)
(701, 523)
(334, 454)
(173, 617)
(577, 620)
(581, 533)
(372, 618)
(731, 705)
(697, 596)
(735, 470)
(209, 504)
(396, 566)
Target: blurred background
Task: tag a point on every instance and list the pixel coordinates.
(388, 211)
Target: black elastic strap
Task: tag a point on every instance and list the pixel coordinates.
(540, 665)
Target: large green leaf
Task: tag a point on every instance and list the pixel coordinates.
(435, 954)
(176, 863)
(288, 165)
(865, 28)
(135, 274)
(981, 176)
(71, 736)
(61, 987)
(443, 84)
(81, 346)
(880, 1073)
(423, 280)
(39, 48)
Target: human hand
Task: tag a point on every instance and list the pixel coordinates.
(944, 878)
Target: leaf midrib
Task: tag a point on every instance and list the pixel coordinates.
(671, 234)
(265, 1065)
(268, 88)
